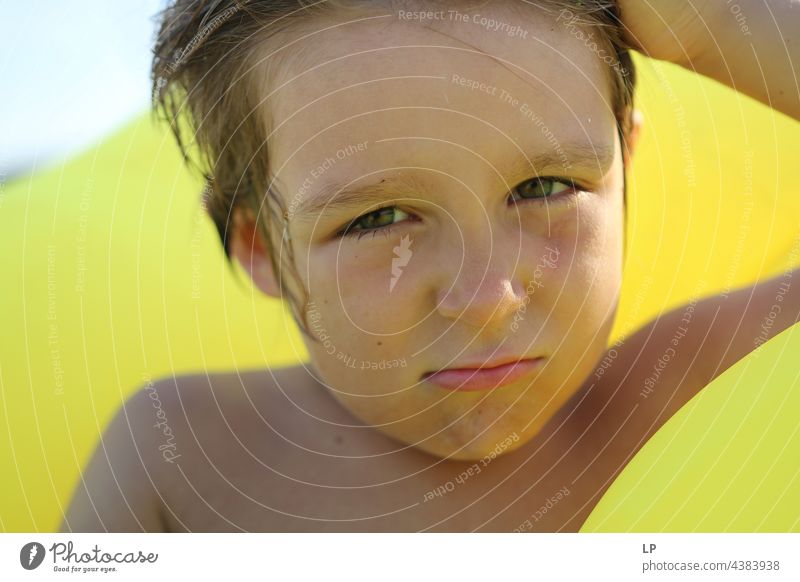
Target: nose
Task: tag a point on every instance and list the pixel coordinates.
(482, 289)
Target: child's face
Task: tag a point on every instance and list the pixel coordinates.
(464, 274)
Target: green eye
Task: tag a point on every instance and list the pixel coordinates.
(544, 187)
(381, 218)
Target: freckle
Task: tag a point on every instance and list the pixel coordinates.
(337, 439)
(380, 343)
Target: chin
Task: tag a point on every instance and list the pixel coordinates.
(483, 450)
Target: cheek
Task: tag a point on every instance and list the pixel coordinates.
(597, 245)
(591, 269)
(582, 294)
(369, 282)
(362, 283)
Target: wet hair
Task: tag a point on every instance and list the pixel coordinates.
(204, 58)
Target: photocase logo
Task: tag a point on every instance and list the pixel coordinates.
(31, 555)
(402, 256)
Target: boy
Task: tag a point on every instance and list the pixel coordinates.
(437, 190)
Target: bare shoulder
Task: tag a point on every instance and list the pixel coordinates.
(117, 490)
(168, 429)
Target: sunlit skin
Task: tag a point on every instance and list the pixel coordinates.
(493, 264)
(500, 266)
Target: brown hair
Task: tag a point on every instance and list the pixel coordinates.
(202, 85)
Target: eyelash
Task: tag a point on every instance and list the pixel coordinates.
(563, 196)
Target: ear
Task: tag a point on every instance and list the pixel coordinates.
(632, 139)
(247, 246)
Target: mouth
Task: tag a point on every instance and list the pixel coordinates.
(484, 377)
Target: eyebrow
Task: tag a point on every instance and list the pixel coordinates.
(339, 196)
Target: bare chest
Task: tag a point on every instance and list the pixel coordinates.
(547, 485)
(328, 479)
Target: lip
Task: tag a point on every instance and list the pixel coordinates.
(484, 377)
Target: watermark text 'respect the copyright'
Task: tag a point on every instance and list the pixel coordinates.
(490, 24)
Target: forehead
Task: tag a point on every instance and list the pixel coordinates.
(455, 86)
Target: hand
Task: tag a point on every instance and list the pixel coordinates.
(669, 30)
(747, 45)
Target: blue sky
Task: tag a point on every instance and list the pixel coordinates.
(70, 73)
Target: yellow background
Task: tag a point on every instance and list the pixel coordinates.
(728, 461)
(112, 276)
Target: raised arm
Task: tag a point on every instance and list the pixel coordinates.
(750, 45)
